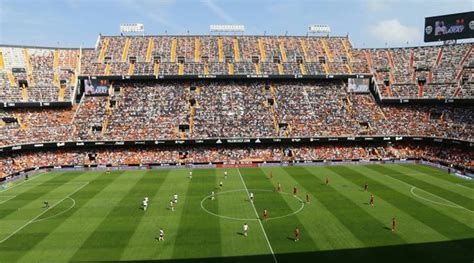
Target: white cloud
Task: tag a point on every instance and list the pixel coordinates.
(155, 10)
(378, 5)
(220, 12)
(394, 33)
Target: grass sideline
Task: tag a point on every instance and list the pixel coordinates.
(95, 216)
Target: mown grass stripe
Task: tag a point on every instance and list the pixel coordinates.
(37, 192)
(439, 180)
(326, 229)
(199, 234)
(429, 187)
(28, 206)
(257, 215)
(369, 230)
(30, 240)
(279, 232)
(414, 231)
(113, 233)
(232, 201)
(143, 243)
(440, 174)
(427, 215)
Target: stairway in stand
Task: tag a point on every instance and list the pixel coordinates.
(149, 50)
(221, 49)
(327, 50)
(131, 69)
(261, 47)
(11, 79)
(197, 50)
(56, 68)
(62, 93)
(125, 50)
(2, 61)
(272, 108)
(305, 53)
(420, 90)
(236, 50)
(174, 43)
(468, 53)
(24, 94)
(103, 50)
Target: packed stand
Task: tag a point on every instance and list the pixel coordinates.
(233, 155)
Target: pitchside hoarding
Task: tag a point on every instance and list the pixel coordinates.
(449, 27)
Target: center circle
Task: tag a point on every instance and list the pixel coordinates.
(239, 201)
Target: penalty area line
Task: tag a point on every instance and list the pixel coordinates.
(4, 201)
(451, 204)
(259, 221)
(42, 213)
(412, 187)
(20, 183)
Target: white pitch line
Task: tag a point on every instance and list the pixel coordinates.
(250, 219)
(42, 213)
(15, 185)
(458, 206)
(62, 212)
(46, 183)
(256, 214)
(465, 186)
(454, 205)
(4, 201)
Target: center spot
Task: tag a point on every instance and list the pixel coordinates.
(235, 204)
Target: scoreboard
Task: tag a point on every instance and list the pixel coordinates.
(449, 27)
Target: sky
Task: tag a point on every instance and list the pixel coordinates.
(74, 23)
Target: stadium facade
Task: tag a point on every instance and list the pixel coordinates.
(153, 101)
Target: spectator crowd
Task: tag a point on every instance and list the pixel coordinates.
(233, 155)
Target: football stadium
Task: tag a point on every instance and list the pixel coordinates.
(229, 146)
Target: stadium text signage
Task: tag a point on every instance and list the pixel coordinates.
(126, 28)
(319, 29)
(227, 28)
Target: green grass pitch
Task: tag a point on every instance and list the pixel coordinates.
(95, 216)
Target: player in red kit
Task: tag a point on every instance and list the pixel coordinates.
(371, 200)
(265, 214)
(297, 234)
(394, 224)
(295, 191)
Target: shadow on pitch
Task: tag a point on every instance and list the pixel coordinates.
(447, 251)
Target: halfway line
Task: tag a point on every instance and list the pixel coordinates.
(256, 214)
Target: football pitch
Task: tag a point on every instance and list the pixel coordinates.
(94, 216)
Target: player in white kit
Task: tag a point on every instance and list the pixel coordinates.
(162, 235)
(246, 229)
